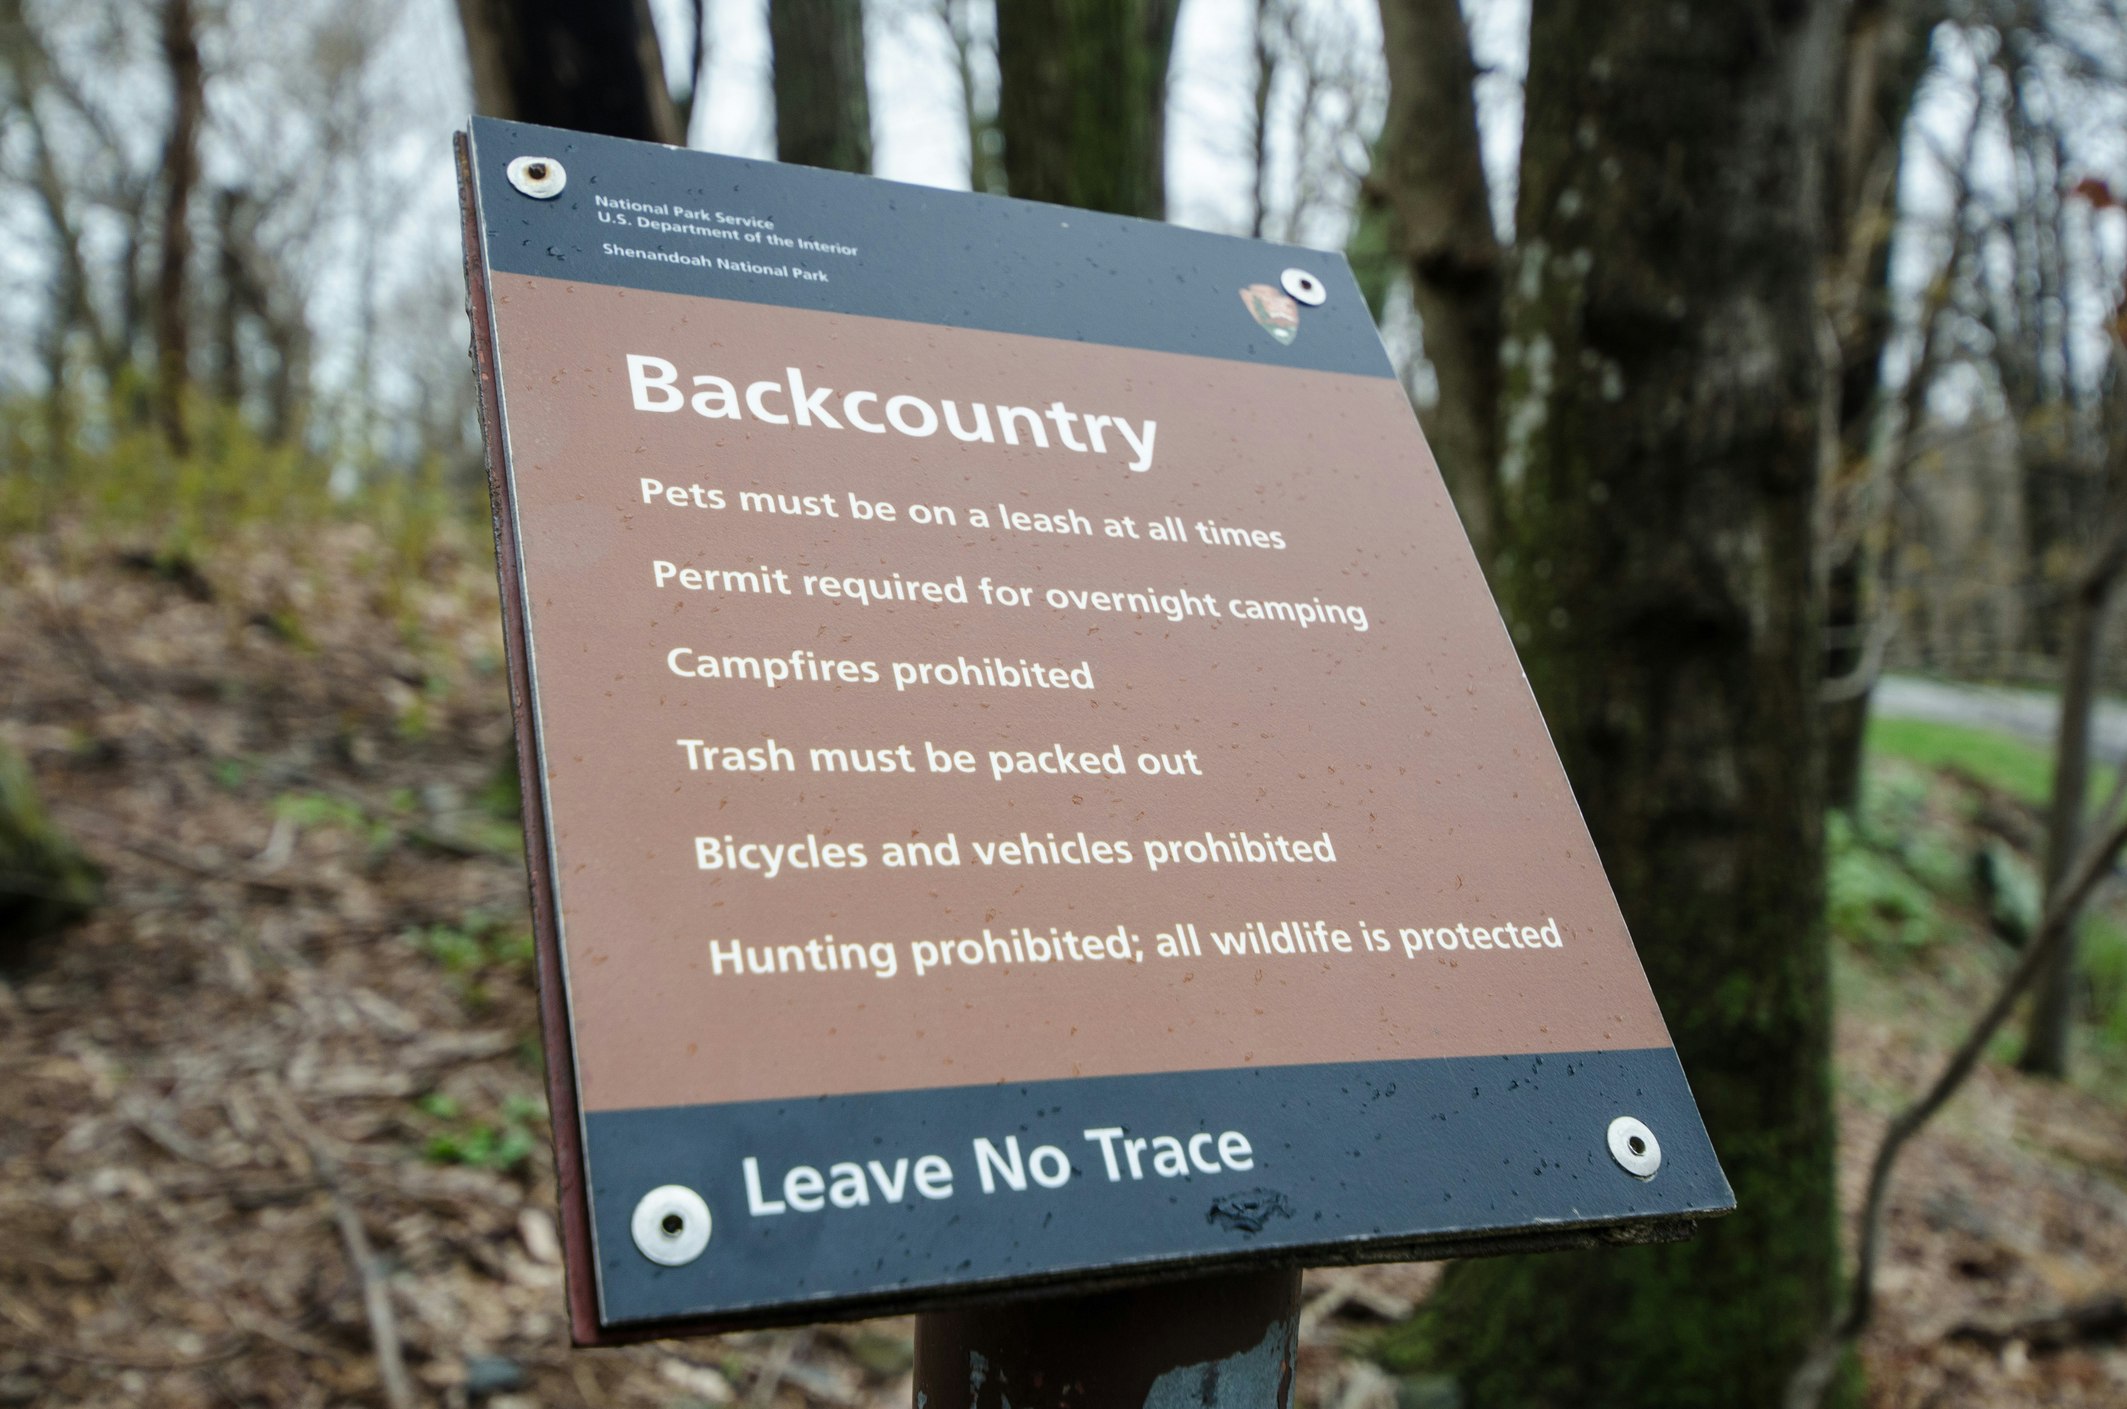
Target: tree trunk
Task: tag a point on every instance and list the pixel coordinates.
(180, 165)
(822, 108)
(2082, 639)
(1083, 106)
(229, 301)
(587, 65)
(1661, 443)
(1885, 57)
(985, 144)
(1262, 26)
(2053, 1001)
(2060, 497)
(1431, 170)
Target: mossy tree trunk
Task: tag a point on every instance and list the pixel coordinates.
(45, 883)
(1658, 472)
(1083, 106)
(822, 106)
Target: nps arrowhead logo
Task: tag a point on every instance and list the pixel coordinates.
(1278, 314)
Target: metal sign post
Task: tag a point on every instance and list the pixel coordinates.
(1026, 789)
(1223, 1342)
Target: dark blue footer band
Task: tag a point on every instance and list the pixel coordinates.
(850, 1204)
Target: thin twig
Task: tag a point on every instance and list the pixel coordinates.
(376, 1301)
(361, 1256)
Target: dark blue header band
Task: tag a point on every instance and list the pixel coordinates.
(642, 216)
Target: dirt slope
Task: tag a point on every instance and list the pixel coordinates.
(271, 1123)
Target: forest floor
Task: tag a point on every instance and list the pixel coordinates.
(272, 1120)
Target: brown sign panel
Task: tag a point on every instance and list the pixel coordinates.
(1025, 781)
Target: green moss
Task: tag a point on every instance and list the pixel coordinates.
(1517, 1333)
(45, 881)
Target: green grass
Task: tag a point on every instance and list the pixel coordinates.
(2012, 765)
(2021, 769)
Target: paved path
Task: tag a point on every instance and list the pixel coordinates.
(2028, 714)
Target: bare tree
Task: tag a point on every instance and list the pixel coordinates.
(189, 237)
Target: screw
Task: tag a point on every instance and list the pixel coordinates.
(1634, 1147)
(671, 1225)
(541, 178)
(1304, 287)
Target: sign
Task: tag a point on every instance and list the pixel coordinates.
(1025, 782)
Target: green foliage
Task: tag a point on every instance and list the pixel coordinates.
(120, 474)
(329, 810)
(116, 478)
(1889, 878)
(401, 817)
(2104, 963)
(1872, 898)
(1894, 802)
(502, 1144)
(476, 956)
(1933, 857)
(502, 796)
